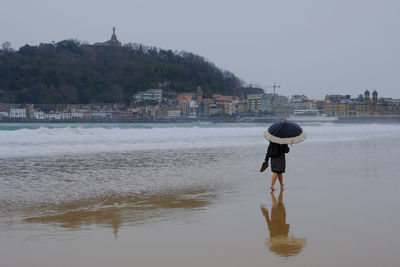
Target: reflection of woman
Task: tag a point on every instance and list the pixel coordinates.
(277, 223)
(278, 162)
(279, 241)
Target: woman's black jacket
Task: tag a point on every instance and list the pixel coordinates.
(276, 150)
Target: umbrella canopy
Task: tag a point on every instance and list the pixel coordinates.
(286, 246)
(285, 132)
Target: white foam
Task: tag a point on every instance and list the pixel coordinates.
(69, 140)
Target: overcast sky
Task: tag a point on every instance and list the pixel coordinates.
(315, 47)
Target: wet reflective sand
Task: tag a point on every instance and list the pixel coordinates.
(112, 211)
(206, 207)
(279, 240)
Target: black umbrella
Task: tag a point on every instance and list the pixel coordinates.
(285, 132)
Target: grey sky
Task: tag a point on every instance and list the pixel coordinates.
(313, 47)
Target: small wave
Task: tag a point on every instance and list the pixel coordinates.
(82, 138)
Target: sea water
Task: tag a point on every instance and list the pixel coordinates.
(201, 179)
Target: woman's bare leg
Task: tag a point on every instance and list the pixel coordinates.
(280, 198)
(274, 176)
(280, 177)
(274, 203)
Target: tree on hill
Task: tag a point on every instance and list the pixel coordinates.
(68, 72)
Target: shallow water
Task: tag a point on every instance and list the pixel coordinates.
(191, 195)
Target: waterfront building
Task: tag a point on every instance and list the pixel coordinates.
(385, 109)
(298, 99)
(307, 112)
(101, 114)
(18, 113)
(203, 109)
(225, 98)
(361, 106)
(254, 102)
(277, 100)
(228, 108)
(137, 112)
(227, 104)
(38, 115)
(204, 106)
(336, 98)
(193, 109)
(241, 107)
(65, 115)
(186, 103)
(153, 112)
(299, 102)
(96, 114)
(283, 111)
(148, 95)
(184, 107)
(173, 114)
(4, 112)
(87, 115)
(396, 102)
(266, 103)
(77, 115)
(122, 114)
(52, 116)
(214, 109)
(336, 108)
(185, 97)
(302, 105)
(315, 104)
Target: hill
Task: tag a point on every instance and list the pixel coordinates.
(69, 72)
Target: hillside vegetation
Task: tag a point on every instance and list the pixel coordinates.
(68, 72)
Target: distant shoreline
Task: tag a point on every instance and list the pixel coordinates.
(26, 120)
(341, 119)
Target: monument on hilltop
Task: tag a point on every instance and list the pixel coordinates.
(112, 42)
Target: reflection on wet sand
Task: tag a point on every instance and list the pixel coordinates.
(280, 242)
(113, 210)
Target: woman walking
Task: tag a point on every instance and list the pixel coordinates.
(278, 162)
(279, 135)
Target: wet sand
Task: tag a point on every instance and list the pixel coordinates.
(339, 208)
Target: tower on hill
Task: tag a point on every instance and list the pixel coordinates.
(112, 42)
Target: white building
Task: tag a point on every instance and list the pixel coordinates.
(153, 111)
(298, 99)
(266, 103)
(52, 116)
(175, 113)
(101, 114)
(148, 95)
(17, 113)
(38, 115)
(137, 112)
(3, 113)
(77, 115)
(64, 115)
(193, 108)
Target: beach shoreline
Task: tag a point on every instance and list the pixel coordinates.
(340, 119)
(168, 195)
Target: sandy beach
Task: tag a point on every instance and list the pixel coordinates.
(192, 195)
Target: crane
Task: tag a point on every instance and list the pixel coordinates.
(273, 98)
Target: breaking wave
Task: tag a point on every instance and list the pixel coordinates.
(30, 140)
